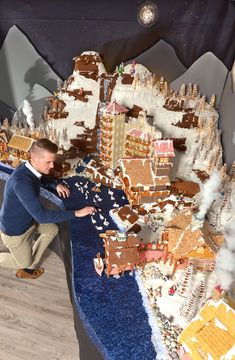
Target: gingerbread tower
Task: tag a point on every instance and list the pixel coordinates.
(112, 134)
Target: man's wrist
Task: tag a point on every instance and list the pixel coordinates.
(76, 213)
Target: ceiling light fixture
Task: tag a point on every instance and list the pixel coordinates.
(147, 14)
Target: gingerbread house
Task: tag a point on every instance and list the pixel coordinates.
(211, 334)
(188, 242)
(140, 183)
(112, 131)
(121, 251)
(19, 146)
(163, 152)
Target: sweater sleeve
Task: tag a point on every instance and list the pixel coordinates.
(49, 183)
(27, 194)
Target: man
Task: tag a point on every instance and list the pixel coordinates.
(22, 214)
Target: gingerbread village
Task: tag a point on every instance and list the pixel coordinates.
(163, 148)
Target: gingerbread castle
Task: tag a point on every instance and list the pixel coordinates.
(190, 242)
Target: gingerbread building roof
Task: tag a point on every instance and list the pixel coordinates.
(164, 148)
(139, 134)
(19, 142)
(131, 241)
(114, 108)
(126, 214)
(211, 334)
(187, 239)
(139, 173)
(188, 188)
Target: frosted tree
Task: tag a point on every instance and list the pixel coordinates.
(184, 281)
(202, 291)
(203, 103)
(5, 123)
(212, 102)
(65, 134)
(59, 84)
(232, 170)
(189, 89)
(14, 123)
(195, 90)
(189, 309)
(165, 88)
(182, 90)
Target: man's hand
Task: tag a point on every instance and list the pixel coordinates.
(62, 191)
(88, 210)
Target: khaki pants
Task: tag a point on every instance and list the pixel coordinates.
(23, 253)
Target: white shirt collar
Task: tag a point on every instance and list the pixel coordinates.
(34, 171)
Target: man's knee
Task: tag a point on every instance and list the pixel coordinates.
(49, 230)
(52, 230)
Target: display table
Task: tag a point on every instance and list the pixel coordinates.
(110, 319)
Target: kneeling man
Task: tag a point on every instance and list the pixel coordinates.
(22, 214)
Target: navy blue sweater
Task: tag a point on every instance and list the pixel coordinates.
(21, 204)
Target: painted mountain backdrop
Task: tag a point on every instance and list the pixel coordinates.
(22, 67)
(161, 59)
(208, 72)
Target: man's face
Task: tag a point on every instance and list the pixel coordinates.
(43, 161)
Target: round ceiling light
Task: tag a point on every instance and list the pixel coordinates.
(147, 14)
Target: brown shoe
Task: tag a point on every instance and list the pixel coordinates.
(22, 274)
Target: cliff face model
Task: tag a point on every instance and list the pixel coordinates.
(83, 115)
(79, 116)
(73, 119)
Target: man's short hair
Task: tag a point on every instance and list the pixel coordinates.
(44, 144)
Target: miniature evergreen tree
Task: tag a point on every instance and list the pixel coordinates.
(189, 89)
(182, 90)
(65, 134)
(5, 123)
(232, 170)
(195, 91)
(182, 288)
(212, 101)
(59, 84)
(203, 103)
(189, 308)
(201, 289)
